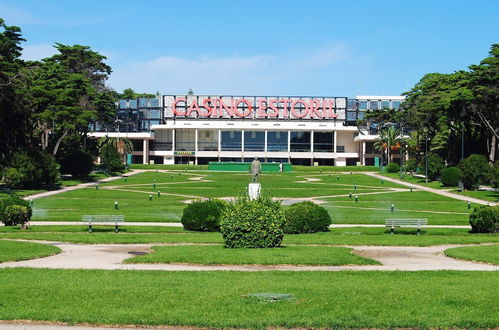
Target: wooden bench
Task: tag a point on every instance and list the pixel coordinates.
(103, 220)
(392, 223)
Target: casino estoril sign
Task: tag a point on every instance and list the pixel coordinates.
(253, 107)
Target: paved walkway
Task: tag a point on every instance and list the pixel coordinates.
(432, 190)
(79, 186)
(111, 257)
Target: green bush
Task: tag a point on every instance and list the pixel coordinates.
(77, 162)
(203, 215)
(6, 203)
(411, 165)
(255, 223)
(32, 169)
(495, 175)
(306, 217)
(475, 171)
(16, 215)
(450, 177)
(111, 159)
(392, 168)
(485, 219)
(435, 166)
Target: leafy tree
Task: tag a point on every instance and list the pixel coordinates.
(435, 166)
(389, 141)
(129, 93)
(475, 171)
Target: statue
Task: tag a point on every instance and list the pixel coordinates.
(255, 169)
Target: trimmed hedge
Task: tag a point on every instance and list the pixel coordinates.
(255, 223)
(392, 168)
(7, 214)
(203, 215)
(485, 219)
(475, 171)
(450, 177)
(306, 217)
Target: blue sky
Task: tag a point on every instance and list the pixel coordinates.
(272, 47)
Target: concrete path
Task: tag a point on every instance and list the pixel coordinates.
(79, 186)
(111, 256)
(178, 224)
(432, 190)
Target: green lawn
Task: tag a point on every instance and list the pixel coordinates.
(416, 180)
(177, 186)
(485, 253)
(285, 255)
(432, 299)
(17, 251)
(492, 196)
(337, 236)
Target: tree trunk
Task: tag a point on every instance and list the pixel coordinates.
(59, 142)
(493, 146)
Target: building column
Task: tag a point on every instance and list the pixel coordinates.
(196, 133)
(289, 141)
(312, 147)
(173, 140)
(219, 143)
(335, 138)
(242, 141)
(363, 159)
(265, 144)
(145, 157)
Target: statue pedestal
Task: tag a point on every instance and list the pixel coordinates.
(254, 190)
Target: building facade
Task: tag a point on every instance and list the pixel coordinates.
(198, 129)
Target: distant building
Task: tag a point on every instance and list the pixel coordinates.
(198, 129)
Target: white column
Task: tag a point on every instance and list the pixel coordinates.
(265, 143)
(311, 141)
(196, 146)
(242, 141)
(289, 141)
(335, 138)
(363, 159)
(173, 140)
(145, 157)
(219, 143)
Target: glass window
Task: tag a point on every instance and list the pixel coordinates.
(277, 141)
(208, 140)
(154, 114)
(184, 139)
(385, 104)
(133, 104)
(373, 105)
(323, 141)
(396, 104)
(300, 141)
(352, 104)
(351, 115)
(362, 105)
(154, 103)
(143, 103)
(254, 141)
(123, 104)
(231, 141)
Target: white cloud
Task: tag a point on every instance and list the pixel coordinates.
(262, 74)
(37, 52)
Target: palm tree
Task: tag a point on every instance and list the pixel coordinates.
(123, 145)
(389, 140)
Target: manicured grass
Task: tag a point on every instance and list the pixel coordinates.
(337, 236)
(285, 255)
(95, 229)
(492, 196)
(300, 168)
(485, 253)
(21, 192)
(434, 299)
(416, 180)
(17, 251)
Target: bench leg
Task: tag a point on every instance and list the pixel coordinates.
(419, 230)
(116, 228)
(89, 228)
(392, 230)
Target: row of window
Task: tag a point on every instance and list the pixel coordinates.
(363, 105)
(139, 103)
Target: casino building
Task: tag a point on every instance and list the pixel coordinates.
(198, 129)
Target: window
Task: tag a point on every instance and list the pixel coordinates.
(323, 141)
(373, 105)
(352, 104)
(385, 104)
(277, 141)
(254, 141)
(231, 141)
(396, 104)
(207, 140)
(362, 105)
(300, 141)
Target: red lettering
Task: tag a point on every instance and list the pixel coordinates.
(194, 107)
(207, 107)
(284, 107)
(223, 106)
(273, 106)
(174, 108)
(298, 114)
(314, 109)
(261, 110)
(236, 111)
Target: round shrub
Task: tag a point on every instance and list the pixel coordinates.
(257, 223)
(485, 219)
(392, 168)
(203, 215)
(475, 171)
(450, 177)
(32, 169)
(306, 217)
(16, 215)
(7, 216)
(435, 166)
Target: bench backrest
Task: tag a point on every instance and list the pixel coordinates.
(406, 222)
(103, 218)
